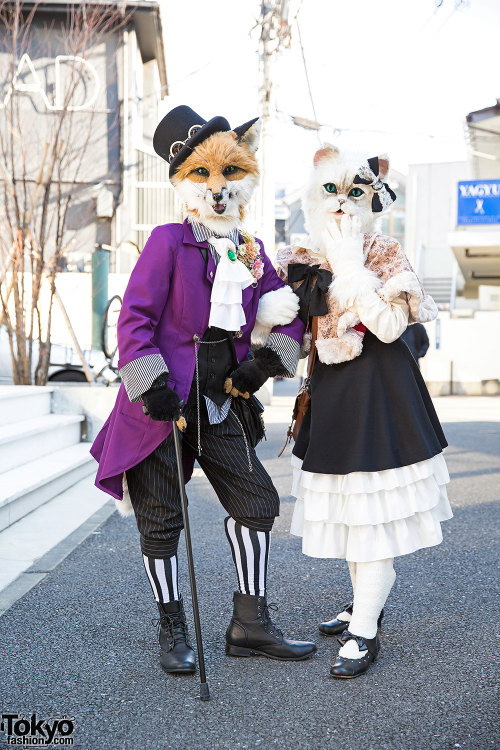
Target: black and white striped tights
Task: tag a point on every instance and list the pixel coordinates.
(250, 550)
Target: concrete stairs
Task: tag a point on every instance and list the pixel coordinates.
(41, 454)
(440, 288)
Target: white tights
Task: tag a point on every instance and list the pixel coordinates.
(371, 583)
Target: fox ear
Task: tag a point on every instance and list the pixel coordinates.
(325, 151)
(249, 133)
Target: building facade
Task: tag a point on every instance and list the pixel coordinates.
(113, 111)
(453, 240)
(120, 188)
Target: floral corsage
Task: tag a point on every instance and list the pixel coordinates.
(249, 255)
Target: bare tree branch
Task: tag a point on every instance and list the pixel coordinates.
(42, 156)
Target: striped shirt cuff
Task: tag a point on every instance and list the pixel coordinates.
(217, 414)
(287, 349)
(139, 375)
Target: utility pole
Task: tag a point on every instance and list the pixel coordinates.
(275, 33)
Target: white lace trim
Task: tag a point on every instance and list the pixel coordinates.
(365, 516)
(371, 542)
(370, 481)
(377, 507)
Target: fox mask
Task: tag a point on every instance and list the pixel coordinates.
(218, 178)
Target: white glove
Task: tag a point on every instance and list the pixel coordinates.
(344, 243)
(345, 253)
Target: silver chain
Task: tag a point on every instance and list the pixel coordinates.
(197, 341)
(250, 467)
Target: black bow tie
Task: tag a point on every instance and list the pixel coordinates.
(311, 295)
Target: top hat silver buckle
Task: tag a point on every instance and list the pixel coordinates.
(177, 145)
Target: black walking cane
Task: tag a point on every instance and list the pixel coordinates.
(176, 428)
(179, 425)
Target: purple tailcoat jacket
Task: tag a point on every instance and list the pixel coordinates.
(167, 302)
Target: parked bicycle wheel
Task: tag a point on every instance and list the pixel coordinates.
(109, 338)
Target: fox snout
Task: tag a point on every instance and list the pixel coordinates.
(219, 200)
(218, 188)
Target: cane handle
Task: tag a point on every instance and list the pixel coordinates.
(232, 391)
(181, 424)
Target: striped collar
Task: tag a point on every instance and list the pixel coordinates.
(202, 233)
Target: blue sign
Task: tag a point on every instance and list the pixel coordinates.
(479, 202)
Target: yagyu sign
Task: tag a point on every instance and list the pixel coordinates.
(26, 80)
(479, 202)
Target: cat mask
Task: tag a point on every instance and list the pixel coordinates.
(342, 182)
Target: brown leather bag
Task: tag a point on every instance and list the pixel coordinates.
(303, 398)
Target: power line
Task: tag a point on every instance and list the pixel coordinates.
(440, 28)
(303, 122)
(194, 72)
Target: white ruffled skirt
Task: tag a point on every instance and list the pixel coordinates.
(365, 516)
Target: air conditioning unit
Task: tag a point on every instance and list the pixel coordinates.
(489, 297)
(105, 207)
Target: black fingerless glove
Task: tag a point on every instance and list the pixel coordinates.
(161, 402)
(251, 375)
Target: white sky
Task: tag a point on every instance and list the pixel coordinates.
(391, 72)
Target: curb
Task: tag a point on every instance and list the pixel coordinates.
(54, 557)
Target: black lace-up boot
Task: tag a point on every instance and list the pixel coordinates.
(252, 632)
(177, 655)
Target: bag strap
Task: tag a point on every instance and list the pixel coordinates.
(312, 355)
(310, 368)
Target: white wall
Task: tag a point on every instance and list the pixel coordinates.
(472, 345)
(430, 208)
(93, 401)
(75, 290)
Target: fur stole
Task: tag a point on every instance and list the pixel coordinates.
(338, 340)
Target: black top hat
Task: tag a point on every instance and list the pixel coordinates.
(182, 129)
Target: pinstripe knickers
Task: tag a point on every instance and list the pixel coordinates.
(249, 497)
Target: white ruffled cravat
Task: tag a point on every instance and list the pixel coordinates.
(231, 277)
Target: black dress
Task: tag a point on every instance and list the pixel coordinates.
(369, 414)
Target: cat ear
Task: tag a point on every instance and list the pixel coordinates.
(326, 150)
(383, 166)
(249, 133)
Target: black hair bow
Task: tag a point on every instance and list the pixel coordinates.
(369, 174)
(311, 295)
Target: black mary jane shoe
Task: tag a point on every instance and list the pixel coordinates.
(337, 627)
(347, 669)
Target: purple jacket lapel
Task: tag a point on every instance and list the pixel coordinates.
(190, 239)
